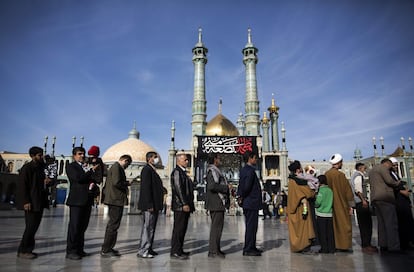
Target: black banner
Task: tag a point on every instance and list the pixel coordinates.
(226, 144)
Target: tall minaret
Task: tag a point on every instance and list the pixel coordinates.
(252, 103)
(171, 151)
(274, 117)
(198, 123)
(265, 129)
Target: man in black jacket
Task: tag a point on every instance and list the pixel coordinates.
(150, 203)
(116, 197)
(249, 189)
(32, 198)
(182, 205)
(80, 201)
(217, 201)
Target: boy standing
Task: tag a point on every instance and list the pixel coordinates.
(324, 222)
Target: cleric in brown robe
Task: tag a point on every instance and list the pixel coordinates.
(343, 199)
(301, 232)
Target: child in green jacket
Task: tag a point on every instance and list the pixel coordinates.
(324, 222)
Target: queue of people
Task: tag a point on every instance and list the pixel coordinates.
(318, 208)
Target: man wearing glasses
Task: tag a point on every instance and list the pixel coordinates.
(182, 205)
(79, 202)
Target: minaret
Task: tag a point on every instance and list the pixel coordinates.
(274, 116)
(252, 103)
(284, 158)
(265, 127)
(171, 151)
(198, 123)
(240, 124)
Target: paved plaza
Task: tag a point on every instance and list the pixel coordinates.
(272, 238)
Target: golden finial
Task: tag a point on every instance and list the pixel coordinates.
(273, 108)
(265, 120)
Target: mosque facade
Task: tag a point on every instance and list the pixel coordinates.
(220, 135)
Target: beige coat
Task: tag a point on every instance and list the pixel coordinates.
(342, 202)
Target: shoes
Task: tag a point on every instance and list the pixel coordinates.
(369, 250)
(179, 256)
(258, 250)
(373, 248)
(28, 255)
(152, 252)
(186, 253)
(344, 250)
(214, 255)
(73, 256)
(222, 253)
(110, 253)
(116, 252)
(252, 253)
(84, 254)
(145, 256)
(309, 251)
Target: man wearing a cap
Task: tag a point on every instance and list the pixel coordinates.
(343, 200)
(97, 176)
(383, 199)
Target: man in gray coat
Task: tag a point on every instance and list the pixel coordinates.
(116, 197)
(383, 199)
(217, 201)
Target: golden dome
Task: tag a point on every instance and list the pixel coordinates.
(221, 126)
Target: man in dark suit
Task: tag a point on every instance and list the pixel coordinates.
(249, 189)
(150, 203)
(116, 197)
(80, 202)
(182, 204)
(32, 198)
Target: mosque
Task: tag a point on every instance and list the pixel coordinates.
(252, 132)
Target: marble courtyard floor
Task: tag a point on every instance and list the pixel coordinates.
(272, 237)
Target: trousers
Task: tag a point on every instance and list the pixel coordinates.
(111, 233)
(32, 220)
(149, 223)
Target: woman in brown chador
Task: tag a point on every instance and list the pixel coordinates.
(301, 231)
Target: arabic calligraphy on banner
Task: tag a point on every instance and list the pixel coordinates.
(226, 145)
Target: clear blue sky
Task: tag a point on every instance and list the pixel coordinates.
(342, 71)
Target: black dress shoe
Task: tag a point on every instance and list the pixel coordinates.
(73, 256)
(152, 252)
(185, 253)
(218, 255)
(258, 250)
(222, 253)
(84, 254)
(110, 254)
(251, 253)
(116, 252)
(179, 256)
